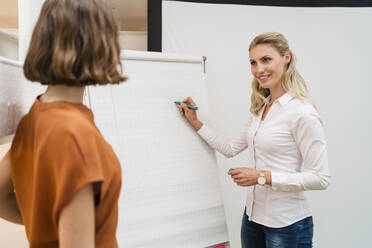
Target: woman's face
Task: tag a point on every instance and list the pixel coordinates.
(268, 66)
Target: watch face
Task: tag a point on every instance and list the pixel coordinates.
(261, 180)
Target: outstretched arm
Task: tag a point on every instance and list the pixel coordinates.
(228, 147)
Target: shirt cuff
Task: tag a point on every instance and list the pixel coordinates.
(206, 133)
(277, 180)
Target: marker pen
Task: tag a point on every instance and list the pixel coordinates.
(188, 105)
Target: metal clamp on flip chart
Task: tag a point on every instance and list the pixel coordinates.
(204, 59)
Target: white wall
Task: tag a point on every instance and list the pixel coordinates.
(9, 44)
(28, 13)
(333, 50)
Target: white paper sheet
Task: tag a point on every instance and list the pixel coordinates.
(170, 195)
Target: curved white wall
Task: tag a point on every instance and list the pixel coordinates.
(333, 46)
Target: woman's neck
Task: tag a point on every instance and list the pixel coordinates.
(63, 93)
(276, 92)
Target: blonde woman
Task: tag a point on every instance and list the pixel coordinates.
(288, 155)
(61, 179)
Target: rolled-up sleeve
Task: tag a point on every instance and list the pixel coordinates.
(308, 132)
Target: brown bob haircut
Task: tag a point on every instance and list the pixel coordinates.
(74, 43)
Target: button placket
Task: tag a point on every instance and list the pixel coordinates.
(256, 125)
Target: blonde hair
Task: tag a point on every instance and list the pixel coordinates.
(293, 82)
(74, 43)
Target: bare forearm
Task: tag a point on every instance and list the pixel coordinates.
(9, 210)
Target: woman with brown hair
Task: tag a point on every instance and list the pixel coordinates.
(61, 179)
(287, 149)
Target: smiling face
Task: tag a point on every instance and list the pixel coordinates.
(268, 66)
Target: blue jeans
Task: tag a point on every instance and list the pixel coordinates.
(297, 235)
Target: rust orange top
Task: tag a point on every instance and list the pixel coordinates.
(57, 150)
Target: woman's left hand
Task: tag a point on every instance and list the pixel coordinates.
(244, 176)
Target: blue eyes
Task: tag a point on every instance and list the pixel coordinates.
(264, 60)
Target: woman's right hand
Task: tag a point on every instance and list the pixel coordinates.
(190, 114)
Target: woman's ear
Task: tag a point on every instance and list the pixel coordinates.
(287, 58)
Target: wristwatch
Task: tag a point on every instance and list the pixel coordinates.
(262, 178)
